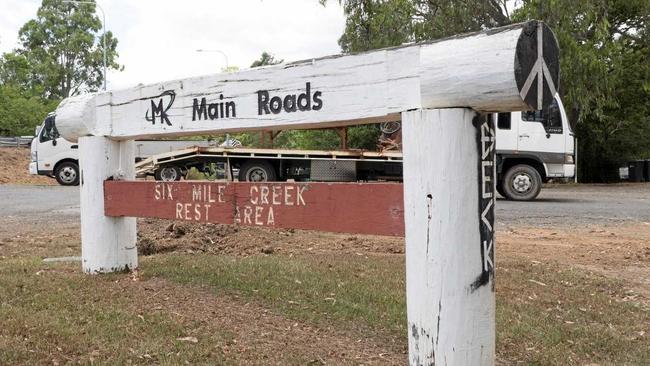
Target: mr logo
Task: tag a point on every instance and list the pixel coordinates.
(157, 109)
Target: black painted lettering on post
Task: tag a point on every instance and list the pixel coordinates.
(230, 109)
(157, 108)
(306, 98)
(205, 110)
(289, 103)
(486, 198)
(318, 103)
(263, 102)
(199, 109)
(276, 105)
(213, 112)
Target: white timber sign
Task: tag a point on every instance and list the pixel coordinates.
(438, 90)
(498, 70)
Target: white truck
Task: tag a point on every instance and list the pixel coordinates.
(54, 156)
(532, 148)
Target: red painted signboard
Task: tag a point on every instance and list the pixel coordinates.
(364, 208)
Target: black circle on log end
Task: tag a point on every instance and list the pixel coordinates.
(529, 66)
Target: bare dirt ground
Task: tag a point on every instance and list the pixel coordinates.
(14, 168)
(620, 252)
(159, 236)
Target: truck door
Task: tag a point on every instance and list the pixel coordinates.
(53, 148)
(542, 132)
(507, 132)
(47, 145)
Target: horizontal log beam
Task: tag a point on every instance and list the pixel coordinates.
(372, 208)
(504, 69)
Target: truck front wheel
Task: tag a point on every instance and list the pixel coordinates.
(257, 171)
(522, 183)
(67, 173)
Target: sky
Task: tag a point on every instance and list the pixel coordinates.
(158, 39)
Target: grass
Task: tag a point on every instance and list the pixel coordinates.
(318, 289)
(546, 314)
(63, 316)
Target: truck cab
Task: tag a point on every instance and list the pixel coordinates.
(533, 148)
(54, 156)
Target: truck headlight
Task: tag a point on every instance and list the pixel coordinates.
(568, 159)
(34, 155)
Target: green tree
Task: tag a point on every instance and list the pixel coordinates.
(266, 59)
(63, 48)
(372, 24)
(60, 54)
(16, 70)
(20, 112)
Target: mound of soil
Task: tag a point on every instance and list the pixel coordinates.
(14, 168)
(161, 236)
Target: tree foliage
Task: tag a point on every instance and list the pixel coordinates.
(63, 50)
(20, 112)
(60, 54)
(266, 59)
(372, 24)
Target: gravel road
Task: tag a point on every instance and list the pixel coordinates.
(27, 200)
(579, 205)
(562, 205)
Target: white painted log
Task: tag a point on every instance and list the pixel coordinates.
(495, 70)
(108, 244)
(448, 205)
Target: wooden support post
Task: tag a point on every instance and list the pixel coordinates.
(449, 219)
(343, 135)
(107, 243)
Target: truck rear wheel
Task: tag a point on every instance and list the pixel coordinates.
(67, 173)
(168, 173)
(257, 171)
(522, 183)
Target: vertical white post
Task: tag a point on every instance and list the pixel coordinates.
(449, 216)
(107, 243)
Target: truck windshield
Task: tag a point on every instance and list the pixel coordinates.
(49, 131)
(549, 117)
